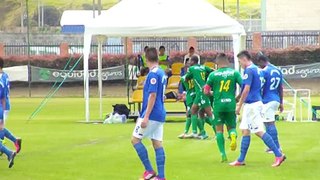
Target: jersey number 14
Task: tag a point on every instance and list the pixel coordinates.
(224, 86)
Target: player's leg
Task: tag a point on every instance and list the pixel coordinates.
(206, 105)
(157, 137)
(17, 141)
(10, 154)
(201, 122)
(246, 138)
(258, 129)
(194, 116)
(230, 121)
(187, 124)
(220, 137)
(137, 135)
(269, 120)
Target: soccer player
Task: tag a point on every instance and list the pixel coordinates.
(152, 117)
(5, 83)
(224, 81)
(272, 96)
(189, 94)
(252, 121)
(199, 74)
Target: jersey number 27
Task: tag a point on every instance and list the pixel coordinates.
(275, 81)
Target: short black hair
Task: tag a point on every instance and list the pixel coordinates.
(263, 58)
(1, 62)
(191, 48)
(162, 47)
(145, 48)
(222, 56)
(152, 54)
(195, 59)
(244, 54)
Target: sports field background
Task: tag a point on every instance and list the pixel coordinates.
(55, 146)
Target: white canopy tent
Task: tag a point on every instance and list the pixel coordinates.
(160, 18)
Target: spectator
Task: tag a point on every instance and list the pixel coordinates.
(190, 54)
(164, 60)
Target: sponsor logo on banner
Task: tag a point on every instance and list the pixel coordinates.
(301, 71)
(51, 75)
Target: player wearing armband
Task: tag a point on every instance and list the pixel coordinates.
(224, 81)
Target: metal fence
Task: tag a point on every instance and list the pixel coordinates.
(269, 40)
(171, 44)
(286, 39)
(22, 49)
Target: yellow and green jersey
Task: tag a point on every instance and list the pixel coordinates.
(199, 74)
(188, 86)
(224, 81)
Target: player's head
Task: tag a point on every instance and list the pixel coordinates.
(244, 59)
(152, 56)
(191, 50)
(145, 49)
(1, 63)
(194, 60)
(162, 49)
(262, 61)
(222, 60)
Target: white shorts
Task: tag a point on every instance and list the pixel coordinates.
(154, 130)
(269, 111)
(252, 118)
(5, 114)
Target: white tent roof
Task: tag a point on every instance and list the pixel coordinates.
(77, 17)
(155, 18)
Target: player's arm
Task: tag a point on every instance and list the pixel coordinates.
(280, 89)
(153, 86)
(239, 82)
(247, 80)
(208, 86)
(189, 75)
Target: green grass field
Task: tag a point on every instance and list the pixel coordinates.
(56, 147)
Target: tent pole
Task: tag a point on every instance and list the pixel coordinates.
(127, 68)
(100, 41)
(86, 53)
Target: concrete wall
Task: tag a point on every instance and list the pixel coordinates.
(292, 15)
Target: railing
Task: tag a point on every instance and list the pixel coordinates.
(22, 49)
(171, 44)
(286, 39)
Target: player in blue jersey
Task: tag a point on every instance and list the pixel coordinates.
(152, 117)
(5, 84)
(252, 121)
(3, 131)
(272, 96)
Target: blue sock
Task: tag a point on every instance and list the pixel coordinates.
(272, 131)
(9, 135)
(143, 155)
(245, 142)
(269, 142)
(5, 150)
(160, 158)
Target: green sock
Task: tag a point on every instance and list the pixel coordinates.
(208, 121)
(233, 131)
(213, 125)
(201, 126)
(220, 142)
(188, 124)
(194, 123)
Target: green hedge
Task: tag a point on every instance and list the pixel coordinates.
(294, 55)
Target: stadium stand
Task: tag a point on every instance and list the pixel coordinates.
(176, 68)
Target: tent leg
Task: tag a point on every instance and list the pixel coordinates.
(86, 52)
(100, 41)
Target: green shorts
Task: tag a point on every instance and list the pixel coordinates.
(202, 101)
(227, 118)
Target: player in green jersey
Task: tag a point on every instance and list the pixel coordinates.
(224, 81)
(189, 94)
(199, 74)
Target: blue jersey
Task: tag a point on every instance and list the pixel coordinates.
(6, 85)
(273, 83)
(253, 77)
(155, 83)
(2, 95)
